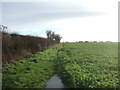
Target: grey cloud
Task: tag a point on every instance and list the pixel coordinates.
(56, 16)
(42, 11)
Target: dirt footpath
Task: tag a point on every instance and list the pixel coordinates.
(54, 82)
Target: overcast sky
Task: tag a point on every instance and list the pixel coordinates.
(74, 20)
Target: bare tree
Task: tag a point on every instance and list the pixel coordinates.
(3, 28)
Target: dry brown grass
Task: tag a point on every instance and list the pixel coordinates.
(16, 47)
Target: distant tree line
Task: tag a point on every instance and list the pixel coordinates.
(91, 41)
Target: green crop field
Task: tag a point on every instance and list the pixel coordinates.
(89, 65)
(79, 65)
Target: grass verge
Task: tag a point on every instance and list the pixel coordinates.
(32, 72)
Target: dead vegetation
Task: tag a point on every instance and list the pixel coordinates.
(16, 47)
